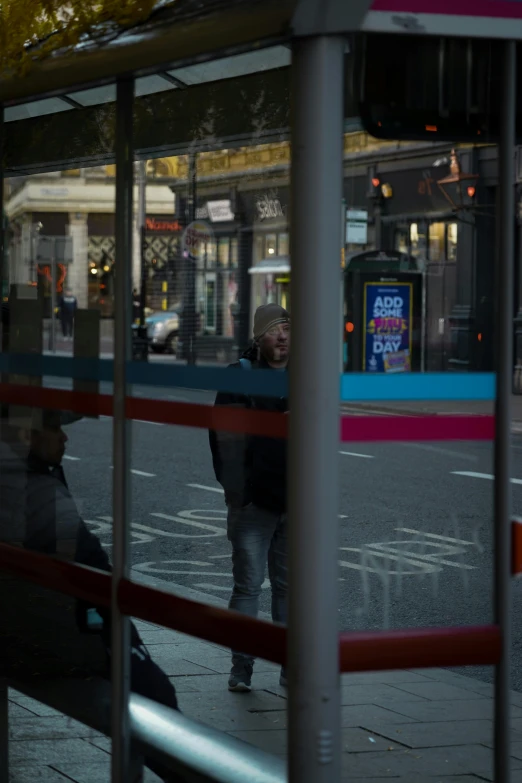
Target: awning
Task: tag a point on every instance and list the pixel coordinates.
(267, 59)
(271, 266)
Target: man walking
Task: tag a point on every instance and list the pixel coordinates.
(68, 307)
(252, 471)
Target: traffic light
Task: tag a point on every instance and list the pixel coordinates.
(379, 191)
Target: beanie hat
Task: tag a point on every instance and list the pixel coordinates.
(267, 316)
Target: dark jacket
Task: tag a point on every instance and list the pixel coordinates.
(68, 306)
(251, 469)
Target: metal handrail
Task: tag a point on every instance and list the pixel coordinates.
(198, 753)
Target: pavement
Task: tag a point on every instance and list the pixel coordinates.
(409, 726)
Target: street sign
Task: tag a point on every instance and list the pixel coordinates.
(356, 227)
(387, 327)
(469, 18)
(196, 240)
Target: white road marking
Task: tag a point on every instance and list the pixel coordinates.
(155, 423)
(487, 476)
(206, 586)
(71, 459)
(139, 473)
(386, 548)
(422, 567)
(215, 531)
(208, 489)
(355, 454)
(434, 535)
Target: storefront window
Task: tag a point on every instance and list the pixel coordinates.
(224, 252)
(283, 248)
(210, 254)
(452, 241)
(234, 258)
(436, 235)
(271, 245)
(418, 240)
(402, 239)
(259, 248)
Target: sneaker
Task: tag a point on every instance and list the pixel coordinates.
(241, 678)
(283, 681)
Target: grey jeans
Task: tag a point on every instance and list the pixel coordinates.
(257, 537)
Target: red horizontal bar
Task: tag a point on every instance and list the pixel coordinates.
(490, 9)
(417, 648)
(417, 428)
(186, 414)
(274, 425)
(220, 626)
(73, 579)
(224, 418)
(420, 648)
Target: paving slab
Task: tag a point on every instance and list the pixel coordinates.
(437, 779)
(432, 735)
(49, 728)
(432, 711)
(53, 752)
(367, 716)
(436, 691)
(221, 663)
(95, 773)
(382, 693)
(386, 677)
(43, 774)
(461, 760)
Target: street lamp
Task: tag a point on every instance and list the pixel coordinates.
(458, 183)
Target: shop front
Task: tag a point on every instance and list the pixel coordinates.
(267, 208)
(418, 220)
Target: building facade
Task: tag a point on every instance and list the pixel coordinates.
(243, 196)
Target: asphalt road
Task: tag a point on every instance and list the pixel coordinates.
(415, 546)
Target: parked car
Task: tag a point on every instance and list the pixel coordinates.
(163, 330)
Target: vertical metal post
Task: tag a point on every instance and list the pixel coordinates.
(316, 193)
(54, 283)
(190, 292)
(142, 185)
(2, 206)
(504, 351)
(120, 653)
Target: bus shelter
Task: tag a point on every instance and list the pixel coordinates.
(229, 75)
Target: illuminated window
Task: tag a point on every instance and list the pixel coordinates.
(451, 239)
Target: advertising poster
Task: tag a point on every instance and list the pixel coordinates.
(387, 327)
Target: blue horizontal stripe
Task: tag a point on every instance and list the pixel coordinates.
(417, 386)
(355, 387)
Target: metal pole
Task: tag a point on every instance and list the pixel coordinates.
(316, 193)
(120, 653)
(54, 282)
(142, 184)
(2, 206)
(504, 351)
(191, 271)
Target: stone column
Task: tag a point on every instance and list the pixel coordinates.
(78, 272)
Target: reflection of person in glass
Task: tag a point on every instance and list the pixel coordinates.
(252, 471)
(43, 633)
(68, 307)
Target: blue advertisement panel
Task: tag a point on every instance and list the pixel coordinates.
(387, 327)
